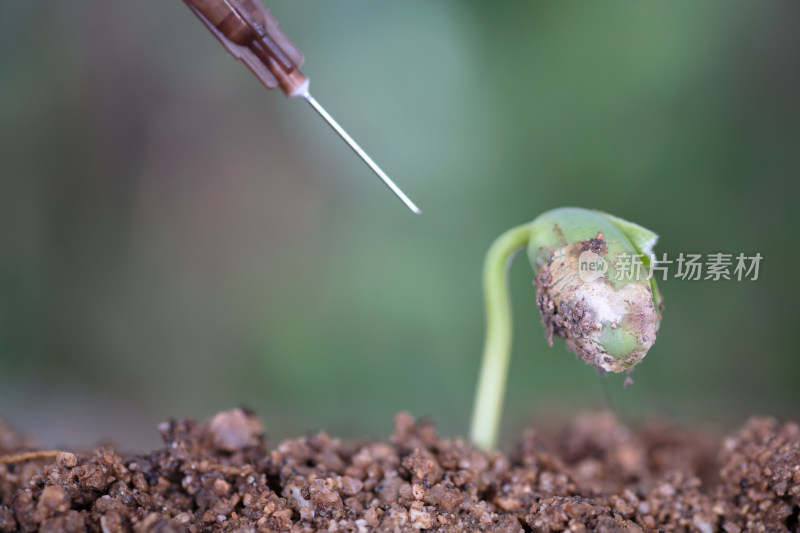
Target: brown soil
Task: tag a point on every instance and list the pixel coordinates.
(568, 321)
(596, 245)
(594, 475)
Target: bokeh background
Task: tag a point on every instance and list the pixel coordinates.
(175, 240)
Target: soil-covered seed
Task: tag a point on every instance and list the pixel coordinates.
(594, 475)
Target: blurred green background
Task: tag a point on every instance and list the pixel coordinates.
(174, 240)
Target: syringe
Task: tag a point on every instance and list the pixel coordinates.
(251, 34)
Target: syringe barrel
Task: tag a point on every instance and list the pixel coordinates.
(251, 34)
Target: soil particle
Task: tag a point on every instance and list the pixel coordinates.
(235, 430)
(596, 245)
(570, 320)
(546, 305)
(594, 475)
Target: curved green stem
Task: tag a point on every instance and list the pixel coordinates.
(497, 346)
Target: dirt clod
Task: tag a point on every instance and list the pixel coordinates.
(596, 245)
(595, 475)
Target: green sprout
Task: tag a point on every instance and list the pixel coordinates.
(593, 289)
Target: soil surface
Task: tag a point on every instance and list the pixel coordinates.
(595, 474)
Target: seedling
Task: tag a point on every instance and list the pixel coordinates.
(593, 288)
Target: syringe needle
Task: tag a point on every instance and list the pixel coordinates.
(361, 153)
(250, 33)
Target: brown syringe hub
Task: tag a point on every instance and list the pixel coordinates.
(251, 34)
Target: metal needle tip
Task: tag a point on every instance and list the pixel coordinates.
(361, 153)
